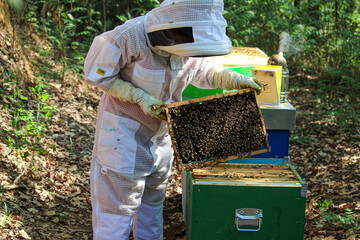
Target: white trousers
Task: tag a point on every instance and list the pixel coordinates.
(128, 190)
(147, 224)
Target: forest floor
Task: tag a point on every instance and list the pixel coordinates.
(55, 203)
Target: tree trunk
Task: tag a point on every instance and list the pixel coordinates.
(336, 14)
(104, 15)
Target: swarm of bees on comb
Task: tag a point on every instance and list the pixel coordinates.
(215, 129)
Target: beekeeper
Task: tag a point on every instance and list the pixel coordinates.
(140, 66)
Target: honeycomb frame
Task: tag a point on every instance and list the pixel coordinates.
(236, 131)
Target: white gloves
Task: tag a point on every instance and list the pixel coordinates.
(127, 92)
(229, 80)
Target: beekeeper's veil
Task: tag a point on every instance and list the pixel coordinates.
(198, 24)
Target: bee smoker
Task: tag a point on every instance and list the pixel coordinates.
(279, 60)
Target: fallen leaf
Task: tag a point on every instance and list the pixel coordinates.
(24, 234)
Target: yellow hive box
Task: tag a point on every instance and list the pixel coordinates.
(270, 77)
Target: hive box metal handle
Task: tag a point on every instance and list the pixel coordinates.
(248, 217)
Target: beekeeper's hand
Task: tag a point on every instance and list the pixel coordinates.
(229, 80)
(127, 92)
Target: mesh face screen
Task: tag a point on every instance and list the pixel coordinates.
(171, 37)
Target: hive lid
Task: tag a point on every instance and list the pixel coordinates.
(216, 129)
(243, 56)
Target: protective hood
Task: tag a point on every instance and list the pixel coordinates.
(200, 22)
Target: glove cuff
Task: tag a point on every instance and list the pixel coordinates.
(126, 92)
(225, 79)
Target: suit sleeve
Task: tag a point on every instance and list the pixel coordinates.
(106, 56)
(205, 71)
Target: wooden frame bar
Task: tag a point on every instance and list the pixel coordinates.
(242, 172)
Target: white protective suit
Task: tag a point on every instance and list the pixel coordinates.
(132, 156)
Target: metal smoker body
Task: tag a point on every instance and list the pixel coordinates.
(279, 60)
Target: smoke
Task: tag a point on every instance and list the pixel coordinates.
(17, 5)
(285, 41)
(290, 45)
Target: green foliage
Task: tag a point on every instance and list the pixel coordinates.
(325, 205)
(258, 23)
(336, 46)
(6, 216)
(301, 138)
(346, 220)
(29, 119)
(71, 25)
(328, 33)
(325, 34)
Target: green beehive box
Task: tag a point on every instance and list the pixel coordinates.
(192, 92)
(238, 201)
(241, 60)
